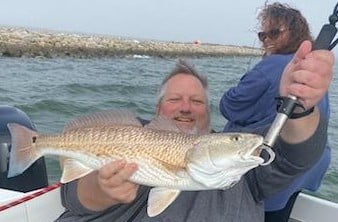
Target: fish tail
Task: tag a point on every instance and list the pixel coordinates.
(22, 154)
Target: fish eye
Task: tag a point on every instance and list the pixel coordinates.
(235, 137)
(34, 139)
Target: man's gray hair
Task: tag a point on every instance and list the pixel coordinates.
(187, 68)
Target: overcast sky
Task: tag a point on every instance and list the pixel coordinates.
(213, 21)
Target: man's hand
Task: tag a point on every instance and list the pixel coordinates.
(308, 75)
(108, 186)
(113, 180)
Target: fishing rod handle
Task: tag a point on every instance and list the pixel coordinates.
(275, 129)
(325, 37)
(284, 111)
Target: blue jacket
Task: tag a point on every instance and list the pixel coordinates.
(252, 104)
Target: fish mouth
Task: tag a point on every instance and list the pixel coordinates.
(255, 153)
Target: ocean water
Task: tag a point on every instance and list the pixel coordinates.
(54, 91)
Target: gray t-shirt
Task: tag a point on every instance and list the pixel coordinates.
(241, 203)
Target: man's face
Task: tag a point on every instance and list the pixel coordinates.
(185, 102)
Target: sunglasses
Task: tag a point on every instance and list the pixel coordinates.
(273, 34)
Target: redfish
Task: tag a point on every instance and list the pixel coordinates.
(168, 160)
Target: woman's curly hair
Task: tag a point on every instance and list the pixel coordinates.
(277, 15)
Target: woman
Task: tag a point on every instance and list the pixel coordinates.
(283, 29)
(252, 102)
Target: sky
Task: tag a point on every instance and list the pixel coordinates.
(210, 21)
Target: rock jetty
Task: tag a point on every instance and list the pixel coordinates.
(21, 42)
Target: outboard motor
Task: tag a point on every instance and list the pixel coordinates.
(34, 177)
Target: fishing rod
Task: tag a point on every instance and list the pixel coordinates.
(286, 105)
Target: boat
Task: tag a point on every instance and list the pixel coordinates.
(309, 208)
(39, 205)
(45, 205)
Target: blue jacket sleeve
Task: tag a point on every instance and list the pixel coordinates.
(238, 102)
(252, 102)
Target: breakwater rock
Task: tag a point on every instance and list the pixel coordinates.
(20, 42)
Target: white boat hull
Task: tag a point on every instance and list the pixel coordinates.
(41, 205)
(313, 209)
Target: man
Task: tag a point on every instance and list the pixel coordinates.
(107, 195)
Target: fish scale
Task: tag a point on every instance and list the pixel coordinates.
(121, 141)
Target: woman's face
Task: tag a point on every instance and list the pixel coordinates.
(273, 37)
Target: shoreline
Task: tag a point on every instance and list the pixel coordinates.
(23, 42)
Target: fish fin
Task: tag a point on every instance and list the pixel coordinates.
(62, 160)
(159, 199)
(178, 169)
(103, 118)
(73, 169)
(22, 153)
(162, 123)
